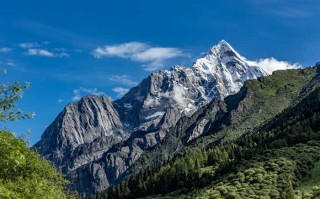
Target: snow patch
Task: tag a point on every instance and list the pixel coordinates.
(156, 114)
(127, 106)
(178, 94)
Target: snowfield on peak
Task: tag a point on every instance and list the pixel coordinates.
(221, 72)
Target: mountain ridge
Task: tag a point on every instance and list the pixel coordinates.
(239, 159)
(100, 139)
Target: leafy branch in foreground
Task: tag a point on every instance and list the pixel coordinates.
(23, 173)
(9, 95)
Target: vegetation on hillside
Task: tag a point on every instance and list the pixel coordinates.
(276, 160)
(23, 173)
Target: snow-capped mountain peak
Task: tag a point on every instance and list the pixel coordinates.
(221, 72)
(88, 129)
(226, 64)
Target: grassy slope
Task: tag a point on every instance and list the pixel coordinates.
(265, 98)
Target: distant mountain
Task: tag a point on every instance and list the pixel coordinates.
(95, 141)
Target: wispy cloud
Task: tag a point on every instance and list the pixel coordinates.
(39, 52)
(5, 50)
(45, 53)
(120, 91)
(29, 45)
(80, 92)
(271, 64)
(125, 50)
(11, 62)
(40, 49)
(287, 8)
(123, 79)
(56, 33)
(290, 12)
(152, 58)
(60, 101)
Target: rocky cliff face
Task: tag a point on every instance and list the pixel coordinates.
(95, 140)
(91, 124)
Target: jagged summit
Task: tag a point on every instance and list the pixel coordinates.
(223, 47)
(221, 55)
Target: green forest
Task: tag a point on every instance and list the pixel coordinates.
(278, 159)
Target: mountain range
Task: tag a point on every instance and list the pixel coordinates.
(263, 142)
(97, 142)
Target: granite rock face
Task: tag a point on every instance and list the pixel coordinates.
(94, 141)
(80, 132)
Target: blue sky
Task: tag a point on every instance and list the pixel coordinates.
(68, 49)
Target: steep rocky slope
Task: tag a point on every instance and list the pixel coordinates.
(81, 132)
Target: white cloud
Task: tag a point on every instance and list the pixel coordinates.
(10, 63)
(125, 50)
(61, 49)
(80, 92)
(62, 54)
(29, 45)
(76, 98)
(39, 52)
(60, 101)
(123, 79)
(156, 57)
(36, 49)
(5, 50)
(271, 64)
(120, 91)
(153, 58)
(153, 54)
(45, 53)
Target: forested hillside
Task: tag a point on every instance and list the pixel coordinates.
(258, 157)
(24, 174)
